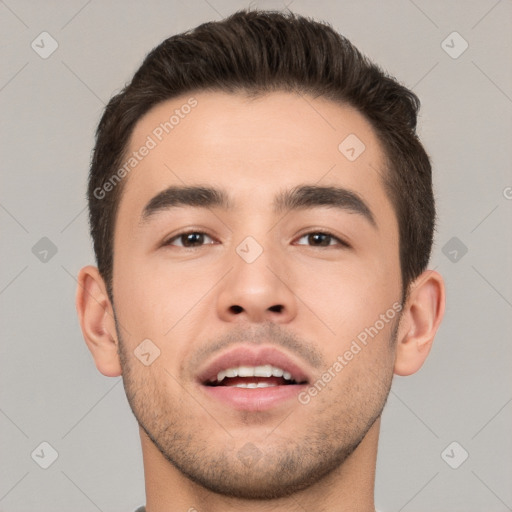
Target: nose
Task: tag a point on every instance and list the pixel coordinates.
(257, 291)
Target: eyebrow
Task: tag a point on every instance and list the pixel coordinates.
(311, 196)
(297, 198)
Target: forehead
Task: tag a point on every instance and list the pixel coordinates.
(252, 148)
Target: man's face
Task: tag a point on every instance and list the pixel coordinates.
(258, 284)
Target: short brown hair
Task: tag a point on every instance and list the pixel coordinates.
(256, 52)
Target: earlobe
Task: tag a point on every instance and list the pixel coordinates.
(96, 317)
(420, 320)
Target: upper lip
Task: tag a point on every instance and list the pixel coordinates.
(245, 356)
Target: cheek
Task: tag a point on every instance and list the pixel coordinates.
(348, 296)
(349, 299)
(156, 299)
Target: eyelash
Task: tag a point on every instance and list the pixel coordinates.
(325, 233)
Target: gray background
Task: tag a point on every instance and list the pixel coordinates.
(50, 389)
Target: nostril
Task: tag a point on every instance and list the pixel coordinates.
(277, 309)
(236, 309)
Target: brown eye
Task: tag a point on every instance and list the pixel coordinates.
(320, 239)
(191, 239)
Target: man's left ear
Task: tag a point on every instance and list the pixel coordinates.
(421, 316)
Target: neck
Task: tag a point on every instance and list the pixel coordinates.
(350, 487)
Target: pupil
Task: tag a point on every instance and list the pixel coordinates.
(193, 239)
(319, 239)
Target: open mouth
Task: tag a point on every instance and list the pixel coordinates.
(253, 377)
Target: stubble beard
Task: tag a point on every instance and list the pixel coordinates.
(283, 466)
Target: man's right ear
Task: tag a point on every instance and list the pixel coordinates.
(96, 316)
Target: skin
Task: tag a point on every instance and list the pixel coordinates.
(320, 456)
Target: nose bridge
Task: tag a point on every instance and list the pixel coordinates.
(253, 262)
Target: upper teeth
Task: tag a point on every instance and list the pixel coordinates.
(266, 370)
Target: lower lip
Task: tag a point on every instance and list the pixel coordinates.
(254, 399)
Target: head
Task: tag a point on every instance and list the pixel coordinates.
(295, 162)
